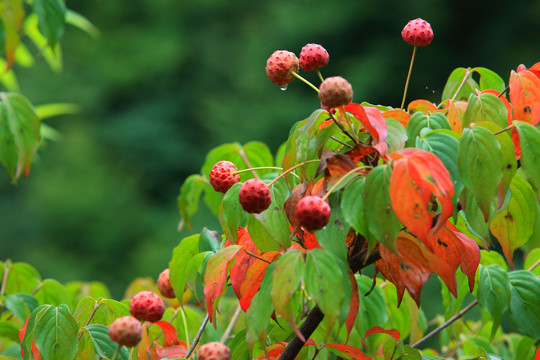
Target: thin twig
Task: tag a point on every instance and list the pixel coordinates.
(231, 324)
(255, 256)
(96, 306)
(408, 77)
(197, 337)
(4, 280)
(341, 142)
(340, 126)
(465, 78)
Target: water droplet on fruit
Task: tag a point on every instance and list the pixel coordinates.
(283, 87)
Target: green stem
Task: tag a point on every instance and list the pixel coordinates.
(305, 81)
(228, 330)
(408, 77)
(342, 179)
(320, 75)
(184, 320)
(256, 257)
(257, 168)
(116, 352)
(468, 73)
(291, 169)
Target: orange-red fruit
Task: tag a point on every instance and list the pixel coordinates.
(164, 285)
(126, 330)
(312, 212)
(221, 176)
(335, 91)
(313, 56)
(417, 32)
(280, 66)
(254, 196)
(147, 305)
(214, 351)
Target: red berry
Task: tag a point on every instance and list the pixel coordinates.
(254, 196)
(417, 32)
(214, 351)
(126, 330)
(313, 56)
(335, 91)
(312, 212)
(147, 305)
(221, 176)
(164, 285)
(280, 65)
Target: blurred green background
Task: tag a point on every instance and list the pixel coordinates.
(168, 80)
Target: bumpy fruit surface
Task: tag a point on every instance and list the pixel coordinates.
(164, 285)
(417, 32)
(147, 305)
(312, 212)
(335, 91)
(313, 56)
(280, 65)
(214, 351)
(254, 196)
(221, 176)
(126, 330)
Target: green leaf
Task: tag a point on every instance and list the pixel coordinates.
(21, 305)
(52, 292)
(332, 236)
(383, 224)
(324, 271)
(21, 278)
(239, 347)
(51, 15)
(19, 133)
(372, 310)
(353, 207)
(494, 293)
(489, 79)
(11, 17)
(103, 345)
(231, 213)
(209, 240)
(420, 121)
(532, 258)
(263, 234)
(116, 308)
(525, 302)
(492, 257)
(188, 199)
(181, 256)
(56, 333)
(286, 279)
(89, 307)
(514, 225)
(397, 136)
(529, 139)
(480, 165)
(454, 82)
(9, 331)
(260, 311)
(485, 107)
(258, 155)
(77, 20)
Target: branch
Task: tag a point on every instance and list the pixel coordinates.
(315, 316)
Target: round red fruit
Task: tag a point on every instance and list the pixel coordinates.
(164, 285)
(222, 176)
(214, 351)
(126, 330)
(313, 56)
(312, 212)
(147, 305)
(335, 91)
(254, 196)
(280, 66)
(417, 32)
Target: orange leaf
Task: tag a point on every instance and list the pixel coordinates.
(374, 123)
(215, 277)
(423, 106)
(171, 336)
(456, 109)
(359, 151)
(417, 175)
(525, 96)
(379, 330)
(349, 350)
(354, 306)
(397, 114)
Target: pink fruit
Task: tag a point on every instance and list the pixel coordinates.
(214, 351)
(147, 305)
(417, 32)
(313, 56)
(126, 330)
(254, 196)
(164, 285)
(280, 66)
(312, 212)
(335, 91)
(222, 176)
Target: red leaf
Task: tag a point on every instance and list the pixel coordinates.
(359, 151)
(33, 349)
(423, 106)
(397, 114)
(253, 278)
(379, 330)
(525, 96)
(348, 350)
(354, 306)
(374, 123)
(417, 175)
(456, 249)
(215, 277)
(171, 352)
(171, 336)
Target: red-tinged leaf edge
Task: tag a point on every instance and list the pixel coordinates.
(348, 350)
(35, 352)
(374, 123)
(379, 330)
(525, 95)
(169, 331)
(354, 305)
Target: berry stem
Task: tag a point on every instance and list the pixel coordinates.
(341, 179)
(116, 352)
(340, 126)
(320, 75)
(291, 169)
(257, 168)
(305, 81)
(408, 77)
(184, 320)
(344, 114)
